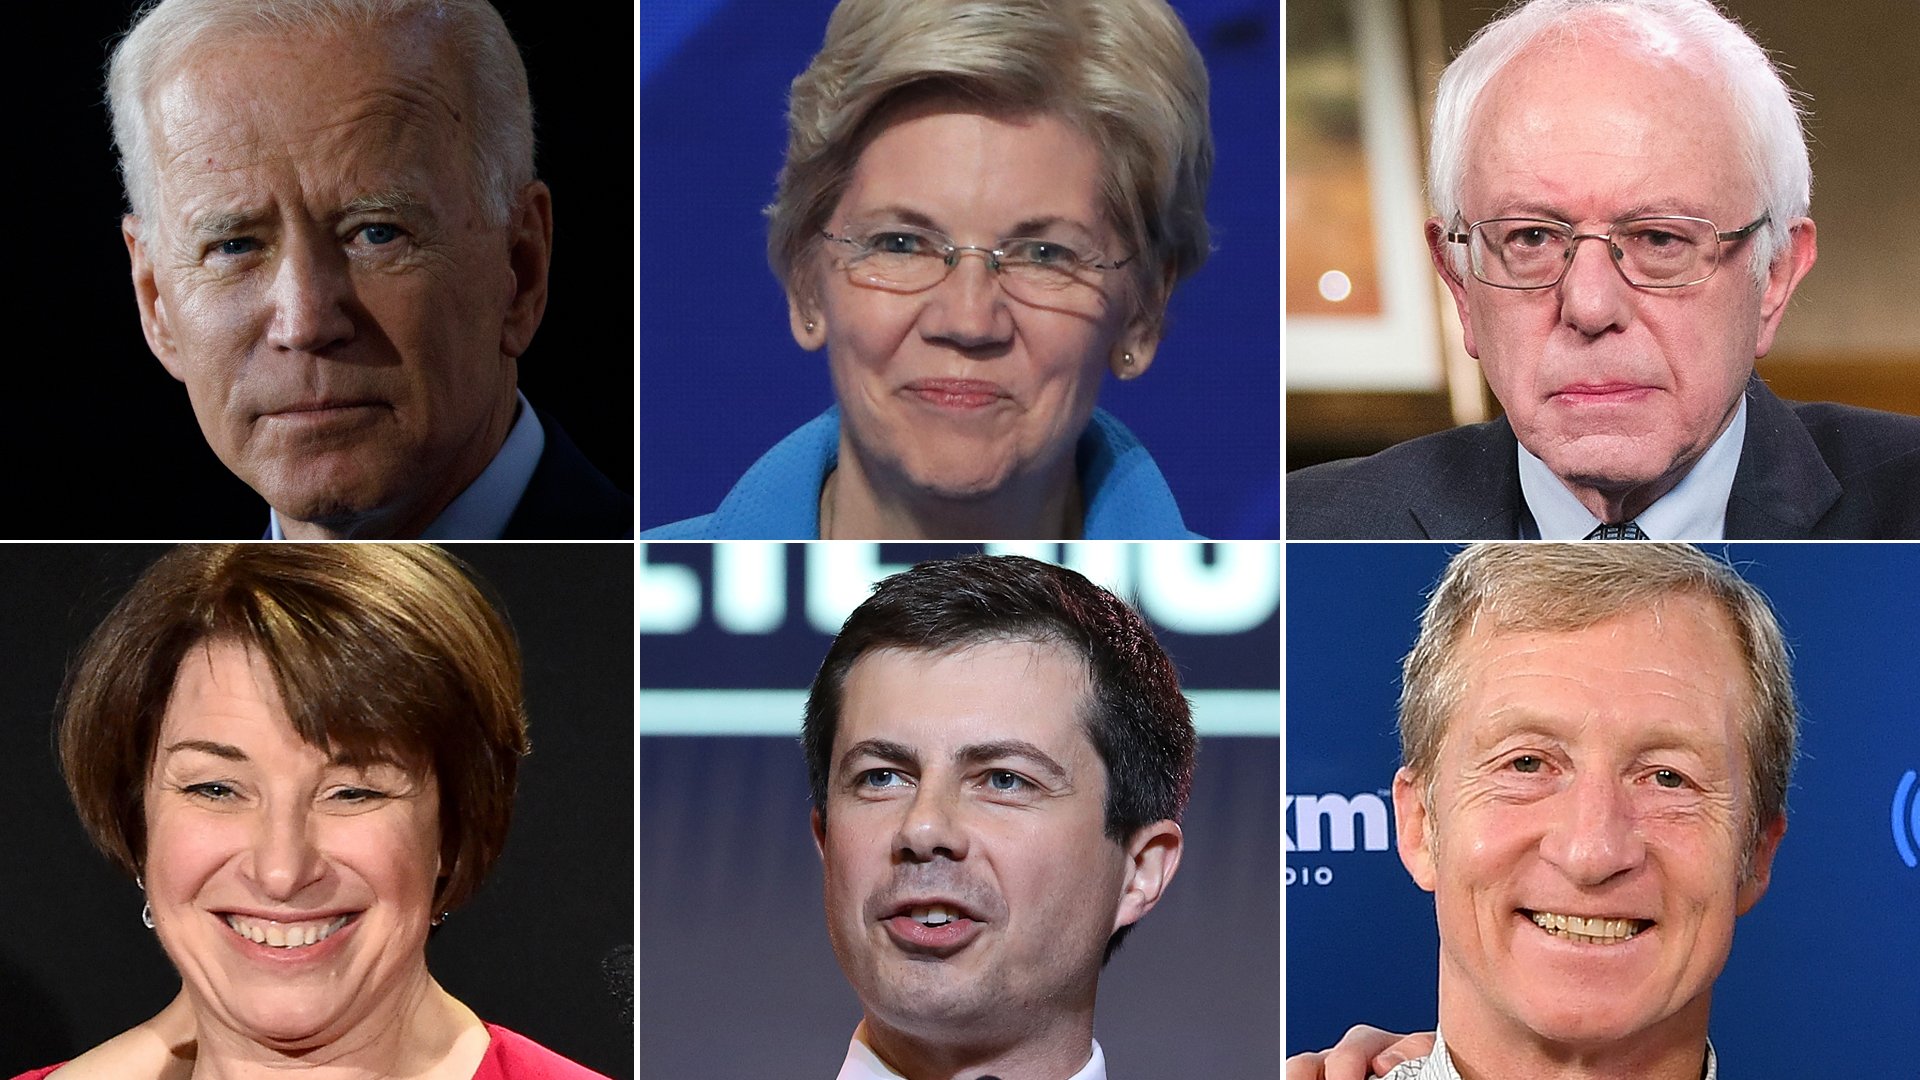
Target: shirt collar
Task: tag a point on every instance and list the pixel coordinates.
(482, 511)
(863, 1064)
(1439, 1064)
(1696, 508)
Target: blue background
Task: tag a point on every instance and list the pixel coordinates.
(721, 378)
(1823, 980)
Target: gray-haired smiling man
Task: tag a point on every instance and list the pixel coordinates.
(339, 245)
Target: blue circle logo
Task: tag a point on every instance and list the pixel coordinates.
(1906, 819)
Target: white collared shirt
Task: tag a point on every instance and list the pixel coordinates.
(1696, 508)
(1439, 1065)
(481, 512)
(863, 1064)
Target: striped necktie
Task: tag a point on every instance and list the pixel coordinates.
(1629, 531)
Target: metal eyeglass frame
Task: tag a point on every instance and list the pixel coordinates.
(1614, 253)
(951, 253)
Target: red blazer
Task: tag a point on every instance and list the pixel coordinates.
(509, 1057)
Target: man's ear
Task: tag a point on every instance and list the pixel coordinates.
(1760, 869)
(1441, 251)
(154, 321)
(1782, 278)
(1412, 831)
(1153, 856)
(804, 319)
(529, 258)
(820, 834)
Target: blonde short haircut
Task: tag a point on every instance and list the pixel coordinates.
(1525, 587)
(1124, 72)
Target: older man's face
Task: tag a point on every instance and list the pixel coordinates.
(1616, 388)
(319, 271)
(1587, 841)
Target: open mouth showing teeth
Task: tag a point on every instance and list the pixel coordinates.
(279, 935)
(1595, 931)
(933, 915)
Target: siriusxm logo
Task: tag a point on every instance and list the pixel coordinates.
(1334, 822)
(1906, 819)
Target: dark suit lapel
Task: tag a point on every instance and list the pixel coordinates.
(1475, 494)
(1782, 487)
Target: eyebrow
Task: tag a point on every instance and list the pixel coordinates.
(906, 215)
(389, 201)
(207, 746)
(895, 753)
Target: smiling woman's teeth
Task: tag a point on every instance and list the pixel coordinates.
(284, 935)
(1589, 931)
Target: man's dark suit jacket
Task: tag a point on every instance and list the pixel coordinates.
(1821, 472)
(567, 498)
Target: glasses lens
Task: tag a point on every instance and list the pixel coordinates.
(1665, 251)
(897, 257)
(1045, 266)
(1519, 252)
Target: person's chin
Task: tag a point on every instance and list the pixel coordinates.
(1613, 462)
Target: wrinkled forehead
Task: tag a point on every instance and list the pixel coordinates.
(382, 98)
(1573, 111)
(1671, 673)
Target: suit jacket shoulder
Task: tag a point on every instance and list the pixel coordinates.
(569, 499)
(1459, 484)
(1825, 472)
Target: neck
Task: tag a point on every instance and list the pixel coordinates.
(1615, 505)
(428, 1035)
(417, 507)
(1489, 1046)
(861, 504)
(1053, 1053)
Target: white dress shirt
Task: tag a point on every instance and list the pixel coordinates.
(863, 1064)
(1439, 1065)
(1696, 508)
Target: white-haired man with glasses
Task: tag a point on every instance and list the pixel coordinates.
(1660, 130)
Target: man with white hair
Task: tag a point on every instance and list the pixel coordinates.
(339, 245)
(1661, 130)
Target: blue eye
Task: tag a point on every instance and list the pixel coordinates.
(1005, 781)
(1527, 763)
(239, 245)
(880, 778)
(213, 790)
(380, 233)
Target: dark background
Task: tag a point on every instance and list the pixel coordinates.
(738, 981)
(108, 438)
(1822, 972)
(723, 378)
(76, 966)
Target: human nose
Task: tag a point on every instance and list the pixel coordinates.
(285, 856)
(931, 828)
(309, 297)
(969, 308)
(1594, 294)
(1594, 835)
